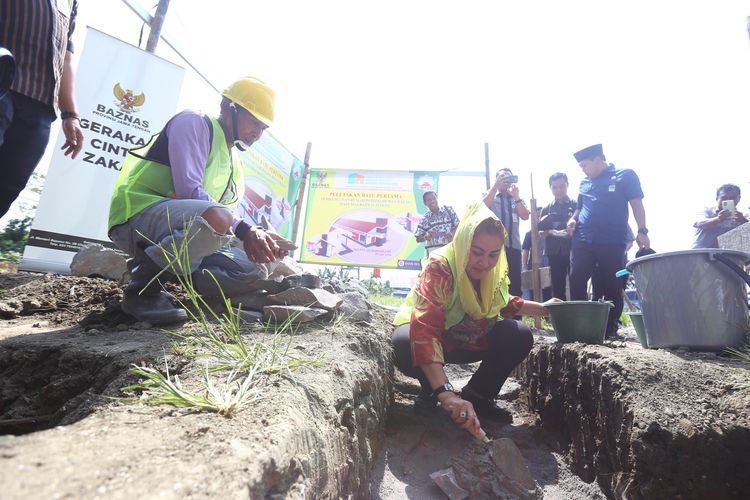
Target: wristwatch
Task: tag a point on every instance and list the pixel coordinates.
(446, 387)
(643, 230)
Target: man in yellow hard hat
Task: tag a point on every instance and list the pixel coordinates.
(176, 196)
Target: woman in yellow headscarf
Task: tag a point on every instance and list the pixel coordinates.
(456, 314)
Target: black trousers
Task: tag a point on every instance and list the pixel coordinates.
(514, 271)
(600, 262)
(509, 343)
(24, 133)
(559, 265)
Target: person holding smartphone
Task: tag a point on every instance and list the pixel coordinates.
(506, 203)
(720, 218)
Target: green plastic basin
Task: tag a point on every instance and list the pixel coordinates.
(579, 320)
(636, 317)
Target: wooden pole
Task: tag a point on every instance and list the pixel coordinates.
(487, 164)
(301, 192)
(536, 278)
(156, 24)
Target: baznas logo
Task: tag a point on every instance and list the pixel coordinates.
(127, 100)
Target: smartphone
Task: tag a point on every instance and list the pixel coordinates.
(513, 179)
(728, 205)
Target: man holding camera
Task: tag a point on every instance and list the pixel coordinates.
(506, 203)
(599, 229)
(720, 218)
(38, 34)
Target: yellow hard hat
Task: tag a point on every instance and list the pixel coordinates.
(253, 95)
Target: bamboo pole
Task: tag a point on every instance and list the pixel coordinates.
(536, 278)
(156, 23)
(487, 164)
(301, 192)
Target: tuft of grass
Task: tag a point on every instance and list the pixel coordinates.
(386, 300)
(219, 343)
(161, 388)
(744, 355)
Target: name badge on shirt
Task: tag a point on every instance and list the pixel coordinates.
(611, 188)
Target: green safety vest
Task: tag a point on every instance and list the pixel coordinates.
(143, 181)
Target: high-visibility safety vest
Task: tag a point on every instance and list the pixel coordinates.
(145, 180)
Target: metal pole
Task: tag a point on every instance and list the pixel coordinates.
(156, 24)
(487, 164)
(301, 192)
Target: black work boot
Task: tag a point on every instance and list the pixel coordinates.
(485, 407)
(146, 301)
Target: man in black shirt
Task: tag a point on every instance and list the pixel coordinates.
(554, 219)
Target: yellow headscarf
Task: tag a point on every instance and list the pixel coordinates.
(494, 284)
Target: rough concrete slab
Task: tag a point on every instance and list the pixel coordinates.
(645, 423)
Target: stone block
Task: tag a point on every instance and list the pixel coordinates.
(355, 307)
(93, 260)
(306, 280)
(310, 297)
(297, 314)
(285, 267)
(736, 239)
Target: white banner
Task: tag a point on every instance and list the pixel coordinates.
(125, 95)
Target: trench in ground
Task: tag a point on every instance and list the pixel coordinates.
(42, 387)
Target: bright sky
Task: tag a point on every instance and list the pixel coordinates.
(414, 85)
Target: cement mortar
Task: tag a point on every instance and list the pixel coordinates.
(645, 423)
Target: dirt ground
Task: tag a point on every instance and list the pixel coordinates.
(418, 445)
(71, 330)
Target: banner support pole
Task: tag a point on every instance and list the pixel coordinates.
(301, 192)
(487, 164)
(535, 273)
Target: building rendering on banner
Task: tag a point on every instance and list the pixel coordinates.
(349, 231)
(256, 205)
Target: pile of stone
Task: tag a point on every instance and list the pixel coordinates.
(287, 292)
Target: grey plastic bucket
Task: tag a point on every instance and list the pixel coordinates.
(693, 298)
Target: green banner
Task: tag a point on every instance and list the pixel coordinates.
(272, 178)
(365, 218)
